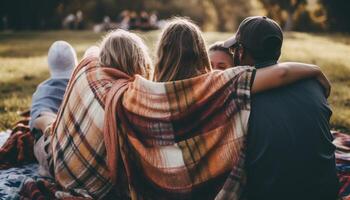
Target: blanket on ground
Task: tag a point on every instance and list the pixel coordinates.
(173, 140)
(42, 189)
(18, 179)
(342, 155)
(18, 148)
(16, 151)
(11, 180)
(4, 135)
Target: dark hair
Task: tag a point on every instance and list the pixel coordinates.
(219, 46)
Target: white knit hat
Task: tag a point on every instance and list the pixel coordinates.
(62, 59)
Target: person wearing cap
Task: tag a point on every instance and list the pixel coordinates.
(290, 154)
(48, 96)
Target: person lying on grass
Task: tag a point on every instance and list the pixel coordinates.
(49, 94)
(119, 135)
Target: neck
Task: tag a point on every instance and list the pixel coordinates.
(262, 64)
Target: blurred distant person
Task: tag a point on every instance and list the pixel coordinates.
(153, 20)
(134, 21)
(290, 154)
(123, 20)
(106, 23)
(122, 15)
(144, 21)
(79, 20)
(125, 23)
(62, 59)
(48, 96)
(220, 57)
(4, 23)
(69, 22)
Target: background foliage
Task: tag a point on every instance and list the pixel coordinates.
(221, 15)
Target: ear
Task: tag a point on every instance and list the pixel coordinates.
(240, 53)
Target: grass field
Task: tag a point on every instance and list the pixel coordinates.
(23, 65)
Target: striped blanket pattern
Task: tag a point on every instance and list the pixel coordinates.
(342, 154)
(145, 140)
(18, 147)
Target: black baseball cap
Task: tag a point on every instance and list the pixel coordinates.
(259, 34)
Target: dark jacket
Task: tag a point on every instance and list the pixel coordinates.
(290, 154)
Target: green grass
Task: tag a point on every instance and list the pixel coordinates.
(23, 65)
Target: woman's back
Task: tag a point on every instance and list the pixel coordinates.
(211, 125)
(78, 143)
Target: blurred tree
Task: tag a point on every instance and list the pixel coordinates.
(2, 15)
(136, 5)
(35, 14)
(230, 12)
(338, 14)
(309, 21)
(277, 8)
(219, 15)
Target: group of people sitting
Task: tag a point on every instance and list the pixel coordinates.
(74, 21)
(227, 123)
(131, 20)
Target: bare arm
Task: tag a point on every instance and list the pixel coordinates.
(285, 73)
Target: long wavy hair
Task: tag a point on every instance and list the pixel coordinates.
(181, 52)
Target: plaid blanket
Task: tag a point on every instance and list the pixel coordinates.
(145, 140)
(41, 189)
(342, 154)
(18, 148)
(11, 180)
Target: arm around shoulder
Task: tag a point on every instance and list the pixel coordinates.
(286, 73)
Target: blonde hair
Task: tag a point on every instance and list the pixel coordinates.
(181, 52)
(127, 52)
